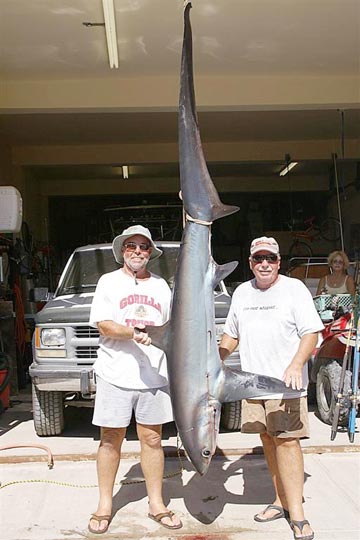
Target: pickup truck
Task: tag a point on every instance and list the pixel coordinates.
(65, 346)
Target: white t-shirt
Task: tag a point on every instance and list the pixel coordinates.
(118, 298)
(269, 324)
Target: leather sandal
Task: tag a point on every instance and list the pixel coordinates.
(159, 517)
(300, 526)
(281, 513)
(99, 519)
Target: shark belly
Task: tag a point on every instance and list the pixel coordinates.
(193, 348)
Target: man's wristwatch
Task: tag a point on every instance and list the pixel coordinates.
(137, 331)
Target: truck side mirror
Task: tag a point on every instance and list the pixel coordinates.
(40, 294)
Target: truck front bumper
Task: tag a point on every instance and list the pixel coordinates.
(63, 380)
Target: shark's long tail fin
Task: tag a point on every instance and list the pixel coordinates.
(200, 198)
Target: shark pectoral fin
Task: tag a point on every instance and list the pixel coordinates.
(237, 384)
(159, 335)
(222, 271)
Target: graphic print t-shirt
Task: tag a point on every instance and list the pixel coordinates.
(118, 298)
(269, 325)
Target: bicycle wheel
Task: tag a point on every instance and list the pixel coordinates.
(330, 229)
(300, 249)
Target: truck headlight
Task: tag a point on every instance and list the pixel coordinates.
(53, 337)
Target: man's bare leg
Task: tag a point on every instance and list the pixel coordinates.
(152, 464)
(270, 455)
(107, 462)
(290, 464)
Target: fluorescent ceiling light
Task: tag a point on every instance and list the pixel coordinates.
(288, 168)
(110, 29)
(125, 172)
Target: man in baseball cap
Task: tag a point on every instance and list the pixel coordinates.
(273, 321)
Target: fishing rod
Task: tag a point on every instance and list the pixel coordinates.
(354, 398)
(340, 395)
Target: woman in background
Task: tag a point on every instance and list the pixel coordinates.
(337, 281)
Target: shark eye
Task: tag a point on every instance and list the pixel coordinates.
(206, 453)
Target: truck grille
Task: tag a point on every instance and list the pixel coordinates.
(86, 351)
(86, 332)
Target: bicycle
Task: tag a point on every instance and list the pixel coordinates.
(329, 229)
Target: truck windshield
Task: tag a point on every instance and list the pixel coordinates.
(86, 267)
(165, 265)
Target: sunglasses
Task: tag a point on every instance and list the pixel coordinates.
(261, 258)
(131, 246)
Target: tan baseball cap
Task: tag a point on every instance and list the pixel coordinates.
(264, 243)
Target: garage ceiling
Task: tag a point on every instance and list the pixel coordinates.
(48, 40)
(270, 70)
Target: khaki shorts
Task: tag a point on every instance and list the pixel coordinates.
(285, 418)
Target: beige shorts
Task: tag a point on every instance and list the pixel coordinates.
(285, 418)
(114, 406)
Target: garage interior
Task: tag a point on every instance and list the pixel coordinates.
(276, 82)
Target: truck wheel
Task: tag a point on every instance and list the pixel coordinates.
(48, 412)
(311, 393)
(327, 386)
(231, 415)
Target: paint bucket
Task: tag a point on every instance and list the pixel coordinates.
(5, 394)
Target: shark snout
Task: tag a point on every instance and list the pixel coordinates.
(198, 447)
(202, 463)
(200, 441)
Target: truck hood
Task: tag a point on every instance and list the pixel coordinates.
(72, 308)
(75, 308)
(222, 305)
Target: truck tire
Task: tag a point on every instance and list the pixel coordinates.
(327, 386)
(311, 393)
(48, 412)
(231, 416)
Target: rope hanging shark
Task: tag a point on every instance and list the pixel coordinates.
(199, 381)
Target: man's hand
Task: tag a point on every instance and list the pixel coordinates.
(227, 346)
(140, 336)
(293, 376)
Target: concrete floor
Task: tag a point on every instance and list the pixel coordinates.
(43, 504)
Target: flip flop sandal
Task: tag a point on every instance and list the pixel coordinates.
(158, 518)
(99, 519)
(281, 513)
(300, 526)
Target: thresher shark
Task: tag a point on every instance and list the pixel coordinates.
(199, 380)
